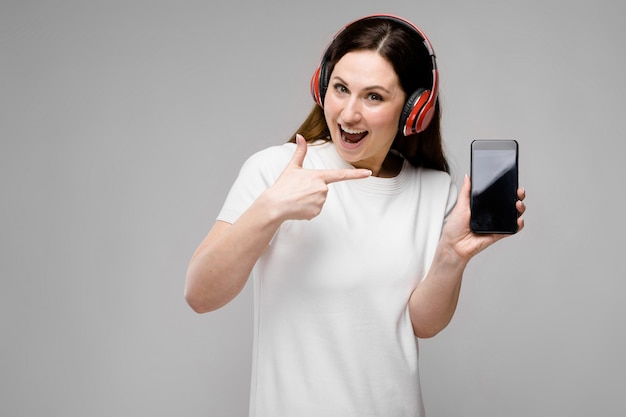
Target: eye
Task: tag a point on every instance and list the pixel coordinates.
(340, 88)
(374, 97)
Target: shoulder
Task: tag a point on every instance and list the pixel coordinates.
(320, 155)
(428, 177)
(268, 162)
(434, 175)
(272, 154)
(439, 179)
(438, 185)
(257, 173)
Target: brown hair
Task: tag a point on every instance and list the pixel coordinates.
(404, 49)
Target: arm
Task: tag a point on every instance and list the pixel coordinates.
(433, 302)
(220, 267)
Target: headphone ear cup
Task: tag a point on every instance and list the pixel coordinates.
(319, 84)
(324, 76)
(315, 86)
(411, 111)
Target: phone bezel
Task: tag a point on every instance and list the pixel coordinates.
(493, 144)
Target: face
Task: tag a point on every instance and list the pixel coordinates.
(362, 108)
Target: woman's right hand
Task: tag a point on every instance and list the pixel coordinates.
(299, 193)
(220, 267)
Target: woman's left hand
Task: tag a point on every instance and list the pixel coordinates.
(457, 234)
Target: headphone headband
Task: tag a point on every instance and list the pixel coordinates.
(420, 105)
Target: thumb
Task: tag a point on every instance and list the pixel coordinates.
(464, 192)
(298, 156)
(465, 188)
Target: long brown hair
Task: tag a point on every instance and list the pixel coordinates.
(405, 51)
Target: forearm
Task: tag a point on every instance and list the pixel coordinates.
(221, 265)
(433, 303)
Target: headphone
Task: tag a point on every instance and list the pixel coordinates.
(419, 108)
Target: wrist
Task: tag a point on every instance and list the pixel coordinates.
(270, 209)
(448, 255)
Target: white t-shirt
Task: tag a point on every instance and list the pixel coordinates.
(333, 337)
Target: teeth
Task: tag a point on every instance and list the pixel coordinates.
(351, 131)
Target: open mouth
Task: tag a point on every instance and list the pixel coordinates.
(352, 137)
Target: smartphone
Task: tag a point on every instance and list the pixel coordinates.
(494, 176)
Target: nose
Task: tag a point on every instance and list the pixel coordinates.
(351, 112)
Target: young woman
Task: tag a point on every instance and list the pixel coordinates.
(351, 232)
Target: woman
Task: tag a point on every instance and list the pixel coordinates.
(350, 235)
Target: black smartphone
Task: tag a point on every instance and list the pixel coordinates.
(494, 176)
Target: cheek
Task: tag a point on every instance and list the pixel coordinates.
(330, 108)
(387, 120)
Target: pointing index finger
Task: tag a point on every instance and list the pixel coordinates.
(336, 175)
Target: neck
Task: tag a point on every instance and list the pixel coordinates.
(391, 166)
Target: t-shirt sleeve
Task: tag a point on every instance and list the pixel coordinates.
(258, 173)
(453, 193)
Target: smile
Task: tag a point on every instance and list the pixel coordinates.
(351, 136)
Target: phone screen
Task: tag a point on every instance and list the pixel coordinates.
(494, 176)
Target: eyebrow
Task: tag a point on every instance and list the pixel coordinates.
(370, 88)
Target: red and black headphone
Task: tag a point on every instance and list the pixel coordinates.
(420, 106)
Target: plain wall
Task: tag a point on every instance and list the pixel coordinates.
(124, 123)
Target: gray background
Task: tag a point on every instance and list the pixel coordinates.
(123, 124)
